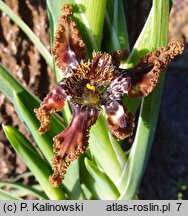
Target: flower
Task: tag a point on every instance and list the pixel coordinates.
(91, 86)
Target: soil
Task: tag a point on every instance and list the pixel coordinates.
(23, 60)
(166, 175)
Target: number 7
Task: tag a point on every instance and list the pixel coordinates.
(179, 204)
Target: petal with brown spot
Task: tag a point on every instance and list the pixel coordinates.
(120, 122)
(53, 102)
(68, 48)
(146, 74)
(73, 141)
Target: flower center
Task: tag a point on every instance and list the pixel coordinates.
(90, 95)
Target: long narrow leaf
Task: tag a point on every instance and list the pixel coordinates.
(103, 186)
(4, 195)
(149, 110)
(34, 162)
(24, 103)
(9, 85)
(20, 176)
(27, 190)
(72, 182)
(19, 192)
(104, 151)
(96, 183)
(25, 111)
(92, 16)
(115, 28)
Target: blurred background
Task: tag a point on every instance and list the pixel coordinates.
(166, 175)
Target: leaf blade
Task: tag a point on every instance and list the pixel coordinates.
(100, 183)
(27, 190)
(4, 195)
(25, 103)
(115, 28)
(149, 109)
(33, 161)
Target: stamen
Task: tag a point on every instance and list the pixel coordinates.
(90, 87)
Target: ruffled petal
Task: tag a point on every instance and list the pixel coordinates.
(53, 102)
(118, 87)
(141, 80)
(73, 141)
(146, 74)
(102, 69)
(120, 122)
(68, 48)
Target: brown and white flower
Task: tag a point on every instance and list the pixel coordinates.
(91, 86)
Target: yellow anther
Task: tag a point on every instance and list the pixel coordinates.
(90, 87)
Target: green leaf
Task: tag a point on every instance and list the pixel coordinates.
(5, 195)
(24, 108)
(72, 182)
(8, 84)
(34, 162)
(35, 40)
(20, 176)
(19, 192)
(150, 105)
(106, 150)
(92, 17)
(115, 28)
(101, 185)
(148, 40)
(25, 103)
(143, 45)
(24, 189)
(87, 193)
